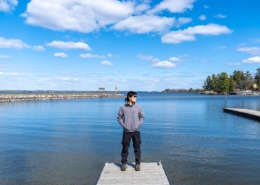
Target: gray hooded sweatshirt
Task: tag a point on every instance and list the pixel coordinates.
(130, 117)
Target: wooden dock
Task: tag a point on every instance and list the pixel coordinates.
(150, 174)
(251, 114)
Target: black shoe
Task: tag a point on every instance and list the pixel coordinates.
(137, 167)
(124, 166)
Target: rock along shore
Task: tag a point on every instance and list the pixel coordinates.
(37, 97)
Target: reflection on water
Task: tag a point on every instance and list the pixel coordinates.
(68, 141)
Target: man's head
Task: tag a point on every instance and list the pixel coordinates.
(131, 97)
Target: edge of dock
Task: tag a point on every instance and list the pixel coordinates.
(247, 113)
(151, 173)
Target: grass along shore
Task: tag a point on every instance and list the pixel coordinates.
(37, 97)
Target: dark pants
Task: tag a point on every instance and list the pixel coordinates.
(136, 144)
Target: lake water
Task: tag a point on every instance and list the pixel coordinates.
(69, 141)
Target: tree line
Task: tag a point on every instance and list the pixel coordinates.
(238, 80)
(182, 90)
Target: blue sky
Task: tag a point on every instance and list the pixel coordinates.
(137, 45)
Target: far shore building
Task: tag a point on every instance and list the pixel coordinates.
(255, 86)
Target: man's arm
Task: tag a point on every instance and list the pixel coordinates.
(141, 116)
(120, 116)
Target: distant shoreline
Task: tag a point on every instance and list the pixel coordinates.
(54, 96)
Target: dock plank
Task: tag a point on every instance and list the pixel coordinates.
(151, 173)
(251, 114)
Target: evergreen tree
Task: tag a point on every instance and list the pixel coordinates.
(238, 77)
(248, 81)
(208, 84)
(223, 81)
(232, 85)
(215, 83)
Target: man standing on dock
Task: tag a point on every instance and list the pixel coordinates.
(131, 116)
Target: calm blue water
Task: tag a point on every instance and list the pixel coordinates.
(68, 141)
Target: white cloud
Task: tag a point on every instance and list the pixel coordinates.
(4, 56)
(14, 74)
(234, 64)
(147, 57)
(202, 17)
(177, 37)
(110, 55)
(252, 60)
(175, 59)
(220, 16)
(145, 24)
(12, 43)
(62, 55)
(206, 7)
(106, 63)
(141, 8)
(88, 55)
(183, 56)
(64, 79)
(189, 33)
(256, 40)
(38, 48)
(155, 60)
(241, 45)
(220, 47)
(87, 15)
(144, 57)
(158, 62)
(68, 45)
(7, 5)
(250, 50)
(176, 6)
(77, 15)
(183, 20)
(164, 64)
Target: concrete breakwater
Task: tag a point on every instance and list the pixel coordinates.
(36, 97)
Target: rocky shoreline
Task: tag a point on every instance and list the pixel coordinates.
(38, 97)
